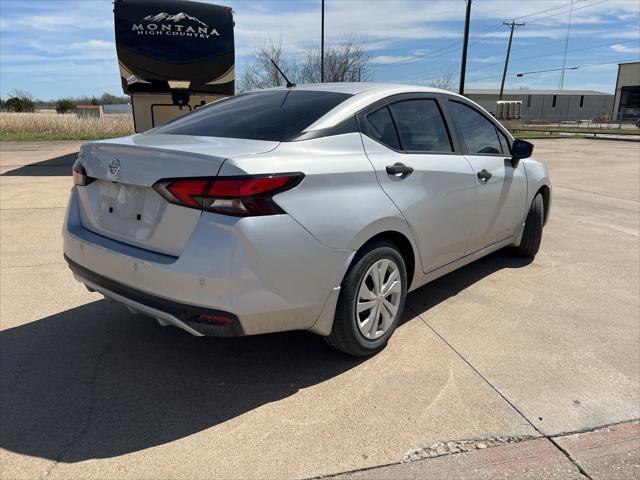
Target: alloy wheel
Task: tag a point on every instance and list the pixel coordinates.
(378, 299)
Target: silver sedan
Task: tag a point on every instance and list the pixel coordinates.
(315, 207)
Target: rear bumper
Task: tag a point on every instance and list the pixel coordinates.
(178, 314)
(268, 272)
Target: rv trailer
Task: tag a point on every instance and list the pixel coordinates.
(174, 56)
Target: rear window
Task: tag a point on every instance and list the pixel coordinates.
(275, 115)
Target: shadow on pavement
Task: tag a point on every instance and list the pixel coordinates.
(439, 290)
(97, 382)
(53, 167)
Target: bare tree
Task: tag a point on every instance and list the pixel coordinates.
(444, 79)
(261, 73)
(347, 61)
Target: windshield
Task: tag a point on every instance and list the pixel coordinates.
(274, 115)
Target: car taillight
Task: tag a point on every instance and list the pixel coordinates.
(80, 174)
(238, 196)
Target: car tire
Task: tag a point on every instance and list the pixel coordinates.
(532, 235)
(360, 331)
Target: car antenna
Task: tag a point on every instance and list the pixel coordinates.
(289, 82)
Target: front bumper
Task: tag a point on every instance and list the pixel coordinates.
(268, 272)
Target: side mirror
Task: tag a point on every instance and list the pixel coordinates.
(519, 150)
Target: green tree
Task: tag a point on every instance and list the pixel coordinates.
(65, 105)
(110, 99)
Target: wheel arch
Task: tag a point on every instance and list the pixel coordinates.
(401, 242)
(406, 247)
(545, 191)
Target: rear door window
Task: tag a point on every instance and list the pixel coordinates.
(381, 128)
(479, 134)
(275, 115)
(421, 126)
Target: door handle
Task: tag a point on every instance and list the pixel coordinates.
(484, 175)
(399, 169)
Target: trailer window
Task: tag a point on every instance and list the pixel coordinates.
(274, 115)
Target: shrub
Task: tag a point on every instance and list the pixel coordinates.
(19, 104)
(64, 105)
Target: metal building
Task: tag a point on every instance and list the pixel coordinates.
(549, 106)
(626, 106)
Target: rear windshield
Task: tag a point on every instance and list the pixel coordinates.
(275, 115)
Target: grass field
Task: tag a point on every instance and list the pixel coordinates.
(51, 126)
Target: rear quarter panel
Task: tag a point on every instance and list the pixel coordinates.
(339, 201)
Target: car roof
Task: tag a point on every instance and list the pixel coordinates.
(362, 94)
(355, 88)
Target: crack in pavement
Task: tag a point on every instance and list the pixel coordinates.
(503, 396)
(480, 443)
(597, 193)
(439, 449)
(90, 409)
(582, 471)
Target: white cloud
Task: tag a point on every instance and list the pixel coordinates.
(625, 49)
(59, 16)
(489, 59)
(382, 59)
(94, 44)
(56, 39)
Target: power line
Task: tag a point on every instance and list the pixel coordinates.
(482, 7)
(528, 16)
(553, 70)
(573, 68)
(552, 15)
(517, 59)
(455, 46)
(566, 46)
(447, 49)
(567, 11)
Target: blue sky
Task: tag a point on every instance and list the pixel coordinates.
(66, 48)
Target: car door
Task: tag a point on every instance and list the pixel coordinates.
(501, 186)
(418, 166)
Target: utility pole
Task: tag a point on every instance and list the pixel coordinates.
(463, 67)
(513, 25)
(322, 45)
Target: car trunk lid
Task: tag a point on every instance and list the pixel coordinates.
(121, 202)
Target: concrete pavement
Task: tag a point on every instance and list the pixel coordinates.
(499, 348)
(612, 452)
